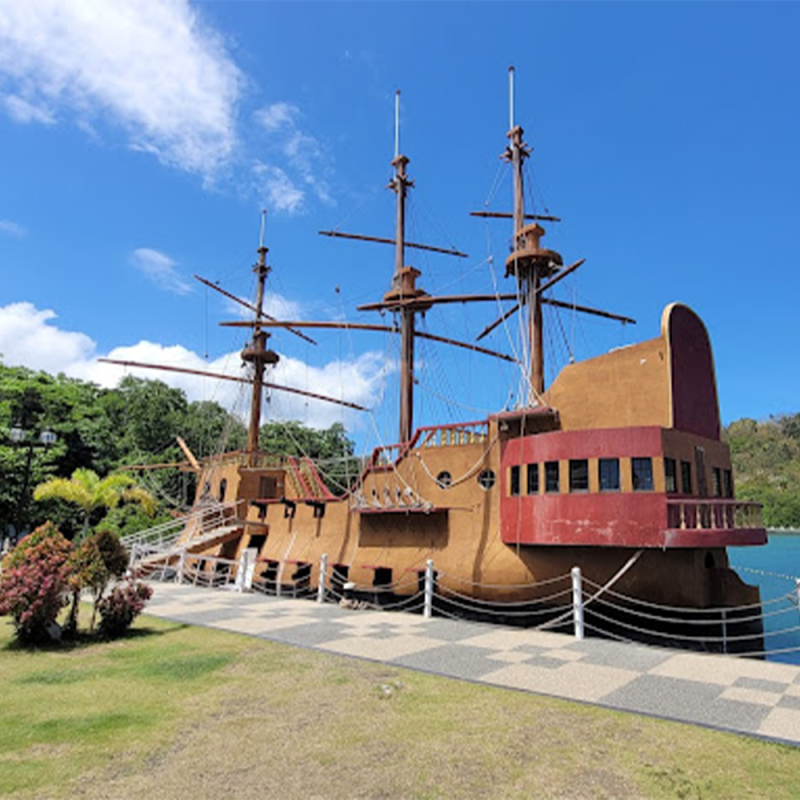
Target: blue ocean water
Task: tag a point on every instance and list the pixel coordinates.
(774, 567)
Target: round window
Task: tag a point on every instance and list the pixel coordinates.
(444, 479)
(487, 479)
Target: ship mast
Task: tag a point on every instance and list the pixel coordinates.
(528, 263)
(257, 352)
(400, 184)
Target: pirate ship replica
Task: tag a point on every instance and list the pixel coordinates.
(617, 467)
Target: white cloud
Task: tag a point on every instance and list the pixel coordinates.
(11, 228)
(280, 193)
(150, 66)
(160, 269)
(21, 110)
(304, 156)
(275, 305)
(29, 338)
(276, 116)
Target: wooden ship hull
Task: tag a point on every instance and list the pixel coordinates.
(623, 460)
(617, 468)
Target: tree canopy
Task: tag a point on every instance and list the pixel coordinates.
(766, 463)
(137, 422)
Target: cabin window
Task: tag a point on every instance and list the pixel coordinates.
(727, 483)
(223, 487)
(486, 479)
(579, 475)
(551, 476)
(670, 475)
(257, 542)
(533, 479)
(716, 482)
(341, 572)
(444, 479)
(608, 473)
(302, 577)
(686, 477)
(642, 473)
(383, 578)
(514, 480)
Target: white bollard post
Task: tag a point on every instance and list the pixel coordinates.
(241, 572)
(132, 559)
(428, 606)
(181, 567)
(797, 584)
(323, 573)
(577, 602)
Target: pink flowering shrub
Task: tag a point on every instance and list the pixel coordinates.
(119, 609)
(34, 582)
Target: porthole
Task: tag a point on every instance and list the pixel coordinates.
(487, 479)
(444, 479)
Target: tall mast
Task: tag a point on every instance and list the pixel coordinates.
(403, 285)
(528, 263)
(257, 352)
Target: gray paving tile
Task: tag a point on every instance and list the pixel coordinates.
(544, 661)
(204, 617)
(789, 701)
(761, 685)
(313, 635)
(450, 630)
(689, 701)
(452, 660)
(612, 654)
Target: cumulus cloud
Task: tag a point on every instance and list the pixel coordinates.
(10, 228)
(302, 154)
(160, 269)
(275, 305)
(150, 66)
(279, 192)
(29, 337)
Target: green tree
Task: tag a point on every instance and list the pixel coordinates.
(90, 493)
(331, 449)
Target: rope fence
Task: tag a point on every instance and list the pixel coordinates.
(771, 627)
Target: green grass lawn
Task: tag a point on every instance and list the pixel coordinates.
(175, 711)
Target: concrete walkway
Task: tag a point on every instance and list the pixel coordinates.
(758, 698)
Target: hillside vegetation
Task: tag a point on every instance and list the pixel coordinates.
(766, 463)
(135, 423)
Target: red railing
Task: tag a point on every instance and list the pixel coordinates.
(712, 514)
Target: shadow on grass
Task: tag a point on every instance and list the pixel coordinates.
(83, 640)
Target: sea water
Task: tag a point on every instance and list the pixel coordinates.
(775, 568)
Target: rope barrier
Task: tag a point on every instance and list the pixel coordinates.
(491, 612)
(714, 617)
(683, 609)
(510, 603)
(727, 638)
(533, 584)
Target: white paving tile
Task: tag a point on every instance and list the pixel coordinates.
(587, 682)
(723, 670)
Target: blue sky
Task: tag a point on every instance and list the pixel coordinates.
(139, 141)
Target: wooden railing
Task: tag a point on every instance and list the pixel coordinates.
(712, 513)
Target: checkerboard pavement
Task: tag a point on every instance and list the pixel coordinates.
(754, 697)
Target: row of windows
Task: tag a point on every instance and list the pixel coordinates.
(608, 477)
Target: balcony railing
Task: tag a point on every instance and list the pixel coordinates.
(712, 514)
